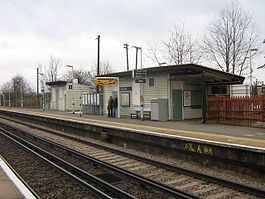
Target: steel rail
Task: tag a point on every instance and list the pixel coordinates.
(221, 181)
(36, 151)
(169, 190)
(21, 179)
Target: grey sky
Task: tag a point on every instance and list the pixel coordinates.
(32, 30)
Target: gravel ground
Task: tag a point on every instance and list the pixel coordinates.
(131, 186)
(214, 171)
(46, 181)
(233, 176)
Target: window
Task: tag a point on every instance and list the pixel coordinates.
(125, 99)
(196, 99)
(70, 87)
(151, 82)
(219, 90)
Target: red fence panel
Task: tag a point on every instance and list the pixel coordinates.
(236, 110)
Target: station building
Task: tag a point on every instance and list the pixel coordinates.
(66, 96)
(180, 91)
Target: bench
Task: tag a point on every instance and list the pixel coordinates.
(137, 115)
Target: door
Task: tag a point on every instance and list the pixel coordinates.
(65, 102)
(177, 104)
(57, 100)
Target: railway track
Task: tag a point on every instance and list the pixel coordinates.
(171, 177)
(90, 182)
(144, 188)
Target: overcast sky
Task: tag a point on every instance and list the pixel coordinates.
(32, 30)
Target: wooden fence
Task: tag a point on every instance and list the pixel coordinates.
(236, 110)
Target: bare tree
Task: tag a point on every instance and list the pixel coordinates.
(50, 72)
(84, 77)
(19, 84)
(87, 77)
(105, 68)
(155, 52)
(182, 47)
(16, 89)
(230, 38)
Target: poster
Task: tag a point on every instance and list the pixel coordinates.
(186, 98)
(125, 99)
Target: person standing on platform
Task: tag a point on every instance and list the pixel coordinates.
(114, 107)
(110, 106)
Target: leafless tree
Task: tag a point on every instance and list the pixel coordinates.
(105, 68)
(18, 84)
(230, 37)
(16, 88)
(182, 47)
(83, 76)
(155, 52)
(87, 76)
(50, 71)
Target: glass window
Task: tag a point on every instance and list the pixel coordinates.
(151, 82)
(196, 99)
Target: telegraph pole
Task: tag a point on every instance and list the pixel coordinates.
(98, 72)
(127, 58)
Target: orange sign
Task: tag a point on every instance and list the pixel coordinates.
(105, 81)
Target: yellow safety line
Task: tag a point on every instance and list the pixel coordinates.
(157, 128)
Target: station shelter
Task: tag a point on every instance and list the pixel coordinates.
(66, 96)
(177, 91)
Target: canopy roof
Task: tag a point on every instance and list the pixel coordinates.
(194, 71)
(56, 83)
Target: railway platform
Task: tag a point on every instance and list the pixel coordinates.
(207, 144)
(190, 129)
(10, 185)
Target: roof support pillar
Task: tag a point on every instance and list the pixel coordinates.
(204, 106)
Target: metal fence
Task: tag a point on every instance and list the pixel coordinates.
(236, 110)
(92, 103)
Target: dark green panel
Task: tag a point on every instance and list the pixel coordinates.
(177, 104)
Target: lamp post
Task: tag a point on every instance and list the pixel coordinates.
(137, 48)
(4, 100)
(141, 85)
(163, 63)
(70, 66)
(250, 65)
(263, 66)
(1, 99)
(21, 96)
(38, 73)
(9, 100)
(43, 93)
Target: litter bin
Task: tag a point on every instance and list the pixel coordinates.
(159, 109)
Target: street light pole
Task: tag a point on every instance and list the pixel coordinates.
(37, 86)
(251, 70)
(9, 100)
(70, 66)
(21, 90)
(141, 85)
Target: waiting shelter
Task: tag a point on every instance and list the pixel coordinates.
(177, 91)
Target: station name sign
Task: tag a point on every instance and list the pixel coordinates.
(105, 81)
(140, 73)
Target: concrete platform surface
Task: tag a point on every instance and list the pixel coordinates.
(10, 186)
(238, 135)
